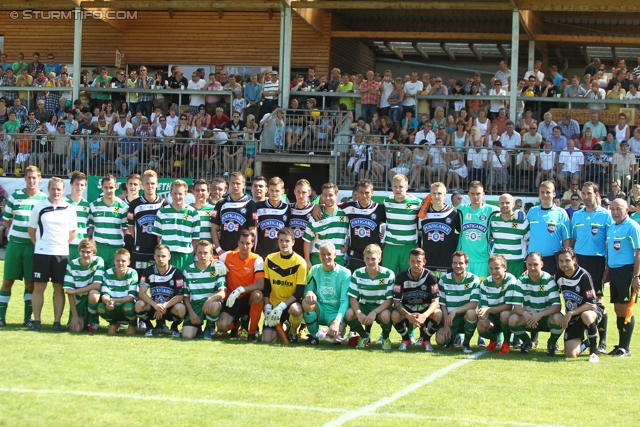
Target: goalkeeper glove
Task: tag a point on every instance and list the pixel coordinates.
(276, 314)
(220, 268)
(235, 294)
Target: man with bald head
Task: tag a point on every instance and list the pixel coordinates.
(509, 231)
(623, 260)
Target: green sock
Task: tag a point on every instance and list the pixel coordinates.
(311, 320)
(28, 309)
(490, 335)
(130, 312)
(556, 333)
(520, 332)
(469, 329)
(506, 332)
(104, 313)
(4, 303)
(93, 312)
(212, 319)
(356, 327)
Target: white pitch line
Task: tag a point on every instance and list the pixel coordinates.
(174, 399)
(470, 421)
(369, 409)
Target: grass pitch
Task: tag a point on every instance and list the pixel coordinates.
(80, 380)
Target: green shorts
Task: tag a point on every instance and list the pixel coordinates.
(197, 307)
(494, 318)
(18, 261)
(181, 260)
(515, 267)
(82, 307)
(108, 254)
(368, 308)
(396, 257)
(117, 314)
(327, 315)
(480, 269)
(543, 325)
(457, 326)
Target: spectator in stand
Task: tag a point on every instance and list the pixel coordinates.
(36, 66)
(412, 87)
(395, 101)
(620, 78)
(20, 110)
(219, 120)
(622, 130)
(592, 68)
(558, 140)
(532, 139)
(555, 75)
(616, 93)
(347, 86)
(270, 92)
(588, 141)
(40, 81)
(59, 150)
(548, 90)
(145, 100)
(253, 96)
(336, 79)
(120, 127)
(212, 101)
(545, 127)
(176, 82)
(95, 152)
(496, 106)
(3, 62)
(103, 80)
(437, 89)
(163, 130)
(633, 93)
(129, 148)
(42, 114)
(9, 80)
(596, 92)
(70, 123)
(386, 87)
(569, 127)
(19, 65)
(536, 73)
(51, 66)
(571, 165)
(369, 96)
(195, 101)
(503, 74)
(24, 80)
(409, 127)
(120, 82)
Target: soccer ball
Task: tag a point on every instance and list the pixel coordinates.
(18, 172)
(1, 171)
(177, 164)
(248, 173)
(315, 113)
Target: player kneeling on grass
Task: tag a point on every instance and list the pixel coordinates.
(582, 312)
(370, 297)
(119, 292)
(245, 283)
(82, 283)
(166, 284)
(536, 305)
(459, 297)
(416, 301)
(494, 309)
(203, 291)
(326, 300)
(285, 274)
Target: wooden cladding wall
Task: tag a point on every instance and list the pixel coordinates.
(238, 38)
(350, 55)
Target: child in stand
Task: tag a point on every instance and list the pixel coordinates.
(278, 139)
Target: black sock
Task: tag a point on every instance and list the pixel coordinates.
(367, 329)
(534, 336)
(592, 335)
(627, 331)
(401, 327)
(432, 328)
(602, 327)
(620, 324)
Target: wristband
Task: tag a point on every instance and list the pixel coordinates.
(218, 249)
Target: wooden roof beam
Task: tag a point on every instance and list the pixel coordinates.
(398, 53)
(402, 5)
(585, 53)
(592, 40)
(628, 6)
(314, 18)
(422, 35)
(448, 51)
(420, 51)
(118, 24)
(614, 55)
(503, 51)
(475, 52)
(558, 53)
(178, 4)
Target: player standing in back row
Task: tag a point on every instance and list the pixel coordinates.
(300, 213)
(273, 215)
(140, 219)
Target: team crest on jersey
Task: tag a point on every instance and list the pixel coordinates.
(160, 299)
(381, 281)
(243, 211)
(212, 274)
(84, 209)
(185, 216)
(207, 213)
(594, 230)
(541, 288)
(408, 206)
(373, 216)
(448, 220)
(466, 286)
(473, 236)
(435, 236)
(570, 305)
(504, 287)
(116, 209)
(514, 225)
(551, 228)
(483, 217)
(231, 226)
(616, 246)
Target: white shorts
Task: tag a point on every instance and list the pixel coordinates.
(22, 157)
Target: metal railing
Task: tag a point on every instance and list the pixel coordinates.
(212, 154)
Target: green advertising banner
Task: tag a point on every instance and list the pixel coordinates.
(164, 186)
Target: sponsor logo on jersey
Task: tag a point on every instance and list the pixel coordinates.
(570, 296)
(474, 226)
(161, 292)
(616, 246)
(130, 216)
(298, 225)
(179, 283)
(214, 214)
(271, 223)
(397, 289)
(363, 222)
(229, 218)
(434, 289)
(279, 282)
(436, 227)
(254, 216)
(594, 230)
(551, 227)
(590, 293)
(146, 223)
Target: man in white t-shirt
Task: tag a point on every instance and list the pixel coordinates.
(571, 164)
(546, 164)
(633, 93)
(477, 161)
(411, 89)
(52, 226)
(496, 106)
(195, 101)
(164, 130)
(539, 75)
(437, 168)
(510, 139)
(386, 87)
(425, 133)
(120, 128)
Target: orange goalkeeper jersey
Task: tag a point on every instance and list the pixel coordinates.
(242, 272)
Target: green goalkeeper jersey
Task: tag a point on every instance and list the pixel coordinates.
(536, 296)
(474, 238)
(202, 284)
(331, 287)
(455, 294)
(78, 277)
(493, 295)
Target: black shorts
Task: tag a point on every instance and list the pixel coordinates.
(239, 309)
(576, 329)
(128, 242)
(168, 315)
(550, 265)
(141, 261)
(595, 265)
(619, 283)
(47, 267)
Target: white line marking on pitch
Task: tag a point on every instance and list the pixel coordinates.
(471, 421)
(369, 409)
(174, 399)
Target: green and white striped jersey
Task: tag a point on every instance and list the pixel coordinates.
(454, 294)
(82, 212)
(402, 221)
(177, 228)
(78, 277)
(492, 295)
(202, 284)
(18, 210)
(536, 296)
(372, 291)
(332, 228)
(509, 236)
(108, 222)
(120, 288)
(205, 221)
